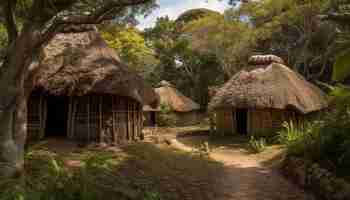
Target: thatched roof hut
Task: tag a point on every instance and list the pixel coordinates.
(183, 110)
(265, 97)
(82, 76)
(178, 102)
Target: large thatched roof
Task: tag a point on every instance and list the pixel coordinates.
(175, 99)
(275, 86)
(78, 62)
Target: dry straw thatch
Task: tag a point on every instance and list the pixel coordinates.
(275, 86)
(78, 62)
(175, 99)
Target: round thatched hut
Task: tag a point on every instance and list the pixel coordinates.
(259, 101)
(175, 107)
(83, 92)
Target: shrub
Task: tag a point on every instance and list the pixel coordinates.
(152, 196)
(301, 139)
(166, 118)
(257, 145)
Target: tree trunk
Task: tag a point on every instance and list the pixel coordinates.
(13, 104)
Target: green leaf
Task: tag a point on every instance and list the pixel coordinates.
(341, 68)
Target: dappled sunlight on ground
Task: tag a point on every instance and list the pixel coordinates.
(140, 167)
(247, 176)
(173, 168)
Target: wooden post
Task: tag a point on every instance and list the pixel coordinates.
(40, 111)
(127, 120)
(114, 120)
(88, 118)
(74, 110)
(100, 119)
(141, 136)
(43, 116)
(69, 118)
(134, 122)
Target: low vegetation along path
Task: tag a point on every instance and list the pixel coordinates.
(247, 176)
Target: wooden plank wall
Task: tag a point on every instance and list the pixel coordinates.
(268, 121)
(225, 122)
(106, 119)
(36, 116)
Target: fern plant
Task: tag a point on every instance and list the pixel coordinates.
(257, 145)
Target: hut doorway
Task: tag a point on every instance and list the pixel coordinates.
(153, 118)
(57, 115)
(242, 121)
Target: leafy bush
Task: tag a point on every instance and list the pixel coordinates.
(257, 145)
(327, 141)
(152, 196)
(166, 118)
(301, 139)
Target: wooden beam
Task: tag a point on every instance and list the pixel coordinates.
(88, 118)
(69, 118)
(41, 113)
(74, 110)
(115, 135)
(100, 118)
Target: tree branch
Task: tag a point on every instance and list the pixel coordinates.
(338, 17)
(102, 13)
(10, 20)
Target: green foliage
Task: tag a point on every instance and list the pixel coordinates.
(326, 141)
(232, 46)
(341, 68)
(131, 46)
(302, 139)
(152, 196)
(181, 64)
(165, 108)
(257, 145)
(166, 118)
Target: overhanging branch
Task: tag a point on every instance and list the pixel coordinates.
(338, 17)
(10, 19)
(104, 12)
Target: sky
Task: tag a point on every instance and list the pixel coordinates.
(173, 8)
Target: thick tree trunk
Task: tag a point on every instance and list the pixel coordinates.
(13, 105)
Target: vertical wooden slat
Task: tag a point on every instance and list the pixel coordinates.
(40, 111)
(69, 118)
(44, 117)
(113, 120)
(133, 120)
(117, 117)
(140, 122)
(100, 127)
(127, 120)
(88, 118)
(74, 110)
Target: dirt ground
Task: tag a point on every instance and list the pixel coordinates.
(246, 176)
(168, 163)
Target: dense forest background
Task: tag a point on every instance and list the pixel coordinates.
(204, 48)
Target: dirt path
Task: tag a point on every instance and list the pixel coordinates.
(247, 178)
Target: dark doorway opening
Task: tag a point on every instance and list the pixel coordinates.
(153, 118)
(57, 115)
(242, 121)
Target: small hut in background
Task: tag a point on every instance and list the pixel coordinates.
(83, 92)
(180, 110)
(259, 101)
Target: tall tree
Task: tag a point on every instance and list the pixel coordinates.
(29, 25)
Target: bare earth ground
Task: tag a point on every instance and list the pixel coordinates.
(177, 172)
(246, 176)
